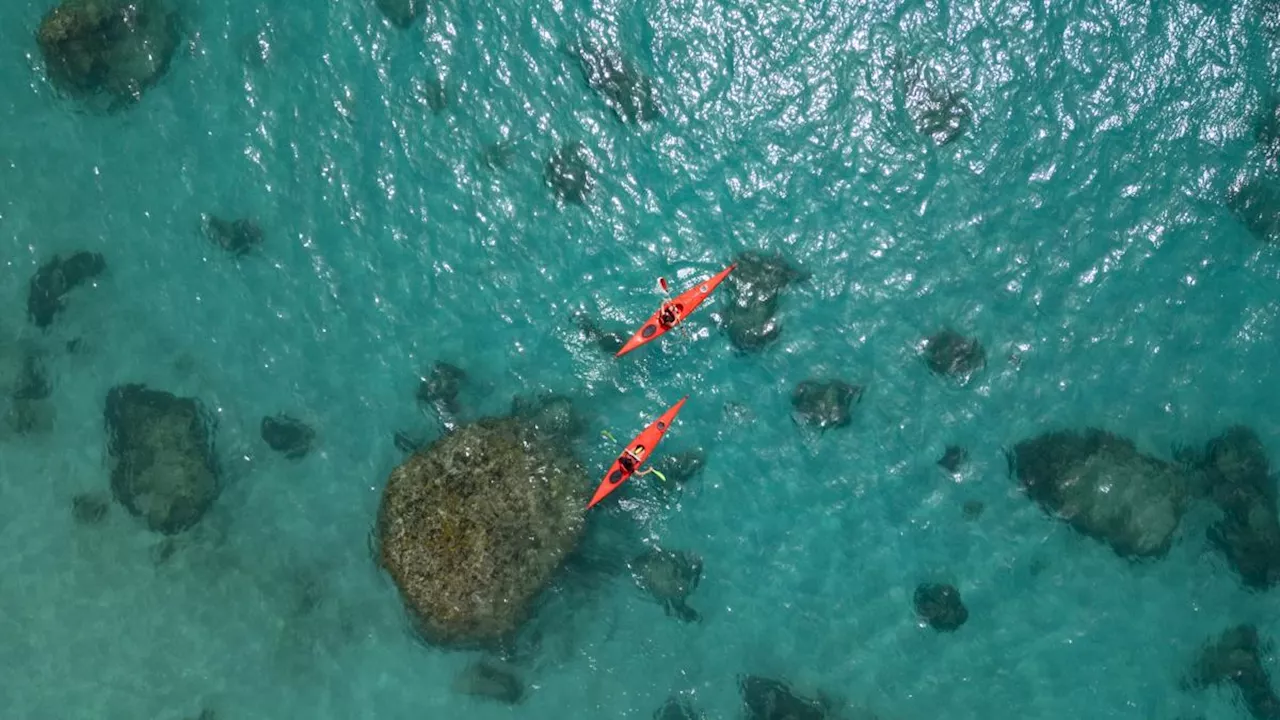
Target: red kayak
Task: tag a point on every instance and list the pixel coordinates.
(645, 442)
(685, 303)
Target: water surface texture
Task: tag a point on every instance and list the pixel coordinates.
(1077, 225)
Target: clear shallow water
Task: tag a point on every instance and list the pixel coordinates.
(1078, 225)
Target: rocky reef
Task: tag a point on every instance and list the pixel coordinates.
(627, 91)
(940, 606)
(160, 449)
(1236, 657)
(113, 49)
(473, 527)
(568, 173)
(1238, 479)
(54, 280)
(953, 458)
(824, 403)
(677, 708)
(1100, 484)
(755, 289)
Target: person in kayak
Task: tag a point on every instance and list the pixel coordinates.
(670, 314)
(631, 458)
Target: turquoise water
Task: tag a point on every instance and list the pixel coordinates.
(1079, 225)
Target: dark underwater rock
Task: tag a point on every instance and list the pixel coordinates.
(111, 48)
(33, 381)
(938, 111)
(161, 457)
(1255, 202)
(627, 91)
(950, 354)
(670, 576)
(939, 605)
(677, 708)
(1103, 487)
(1236, 657)
(287, 435)
(754, 289)
(609, 341)
(407, 443)
(474, 526)
(487, 680)
(767, 699)
(681, 467)
(88, 509)
(441, 386)
(953, 458)
(973, 509)
(1240, 483)
(238, 237)
(550, 415)
(824, 403)
(46, 296)
(568, 173)
(402, 13)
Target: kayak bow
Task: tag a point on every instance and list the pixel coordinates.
(686, 302)
(649, 438)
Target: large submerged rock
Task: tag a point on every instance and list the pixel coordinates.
(626, 90)
(754, 290)
(1240, 483)
(1236, 657)
(473, 527)
(1100, 484)
(113, 48)
(55, 279)
(160, 449)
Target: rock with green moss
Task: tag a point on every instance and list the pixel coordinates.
(473, 527)
(110, 48)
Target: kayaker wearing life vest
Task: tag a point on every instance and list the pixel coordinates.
(670, 314)
(631, 459)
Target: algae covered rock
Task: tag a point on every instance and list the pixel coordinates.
(117, 48)
(473, 527)
(160, 448)
(1100, 484)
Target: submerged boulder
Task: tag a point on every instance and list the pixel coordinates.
(472, 527)
(1240, 483)
(553, 416)
(939, 605)
(287, 435)
(238, 237)
(402, 13)
(160, 449)
(113, 48)
(677, 708)
(488, 680)
(768, 699)
(1255, 202)
(950, 354)
(754, 290)
(49, 287)
(938, 111)
(568, 173)
(824, 403)
(1100, 484)
(627, 91)
(1236, 657)
(670, 577)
